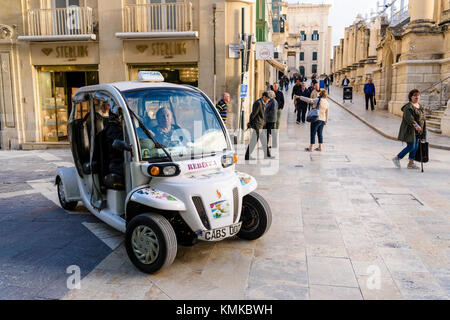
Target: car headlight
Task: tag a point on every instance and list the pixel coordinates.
(164, 170)
(170, 170)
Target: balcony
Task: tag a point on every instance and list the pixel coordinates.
(157, 20)
(71, 23)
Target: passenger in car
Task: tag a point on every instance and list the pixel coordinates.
(114, 130)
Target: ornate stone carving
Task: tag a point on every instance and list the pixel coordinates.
(6, 32)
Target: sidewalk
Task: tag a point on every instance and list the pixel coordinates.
(381, 121)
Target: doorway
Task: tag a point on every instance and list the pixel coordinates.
(56, 90)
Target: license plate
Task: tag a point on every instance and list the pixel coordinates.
(220, 233)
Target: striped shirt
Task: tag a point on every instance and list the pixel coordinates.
(222, 108)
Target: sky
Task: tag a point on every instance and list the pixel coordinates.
(343, 13)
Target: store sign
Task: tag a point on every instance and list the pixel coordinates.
(145, 51)
(169, 49)
(57, 54)
(264, 51)
(68, 52)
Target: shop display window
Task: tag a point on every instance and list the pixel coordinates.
(56, 89)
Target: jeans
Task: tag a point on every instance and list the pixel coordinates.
(317, 128)
(302, 109)
(269, 127)
(369, 97)
(254, 138)
(411, 148)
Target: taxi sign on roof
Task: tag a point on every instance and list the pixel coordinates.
(150, 76)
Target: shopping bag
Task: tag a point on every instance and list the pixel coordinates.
(422, 153)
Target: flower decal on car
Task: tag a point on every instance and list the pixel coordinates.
(156, 194)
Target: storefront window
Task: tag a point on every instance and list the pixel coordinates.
(179, 74)
(56, 89)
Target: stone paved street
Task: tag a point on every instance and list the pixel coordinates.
(346, 225)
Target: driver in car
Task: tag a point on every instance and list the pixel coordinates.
(165, 129)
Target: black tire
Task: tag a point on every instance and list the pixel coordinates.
(256, 217)
(163, 233)
(66, 205)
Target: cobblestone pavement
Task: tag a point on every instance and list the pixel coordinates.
(381, 120)
(346, 225)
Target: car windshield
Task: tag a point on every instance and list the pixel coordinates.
(182, 121)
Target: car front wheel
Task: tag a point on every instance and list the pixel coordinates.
(256, 217)
(66, 205)
(150, 242)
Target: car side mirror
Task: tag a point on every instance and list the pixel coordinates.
(121, 145)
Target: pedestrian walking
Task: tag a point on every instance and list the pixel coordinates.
(222, 106)
(412, 129)
(286, 83)
(256, 123)
(280, 100)
(271, 118)
(369, 91)
(314, 94)
(345, 82)
(317, 126)
(327, 83)
(301, 107)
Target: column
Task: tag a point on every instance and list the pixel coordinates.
(373, 39)
(421, 11)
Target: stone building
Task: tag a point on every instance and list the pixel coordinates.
(280, 29)
(309, 39)
(400, 55)
(49, 48)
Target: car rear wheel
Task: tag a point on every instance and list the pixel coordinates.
(256, 217)
(66, 205)
(150, 242)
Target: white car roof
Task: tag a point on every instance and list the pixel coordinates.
(133, 85)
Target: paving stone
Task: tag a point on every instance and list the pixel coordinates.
(419, 286)
(385, 289)
(402, 260)
(321, 292)
(331, 272)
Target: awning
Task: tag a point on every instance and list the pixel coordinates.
(73, 37)
(158, 35)
(277, 65)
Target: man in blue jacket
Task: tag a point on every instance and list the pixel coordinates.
(369, 91)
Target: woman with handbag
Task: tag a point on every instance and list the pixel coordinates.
(412, 130)
(318, 116)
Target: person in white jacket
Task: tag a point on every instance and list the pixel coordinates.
(317, 126)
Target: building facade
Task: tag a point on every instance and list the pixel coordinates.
(50, 48)
(406, 50)
(309, 39)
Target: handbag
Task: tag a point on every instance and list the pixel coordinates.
(313, 114)
(422, 154)
(374, 101)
